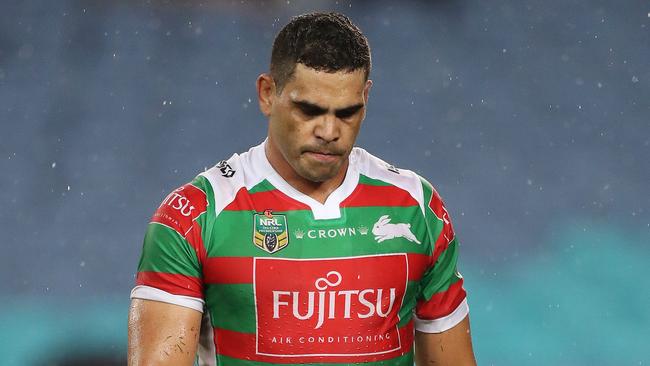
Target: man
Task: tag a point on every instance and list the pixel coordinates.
(303, 250)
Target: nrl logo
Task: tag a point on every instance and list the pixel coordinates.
(384, 230)
(270, 231)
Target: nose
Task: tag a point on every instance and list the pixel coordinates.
(327, 128)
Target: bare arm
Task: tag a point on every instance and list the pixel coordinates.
(452, 347)
(162, 334)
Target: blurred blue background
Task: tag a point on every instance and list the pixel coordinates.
(531, 118)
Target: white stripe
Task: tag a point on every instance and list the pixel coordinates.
(445, 323)
(155, 294)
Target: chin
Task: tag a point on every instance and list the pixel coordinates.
(317, 176)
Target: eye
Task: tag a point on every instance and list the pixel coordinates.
(347, 113)
(310, 111)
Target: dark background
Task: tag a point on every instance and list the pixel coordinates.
(531, 118)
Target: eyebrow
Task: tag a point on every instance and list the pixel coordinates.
(315, 109)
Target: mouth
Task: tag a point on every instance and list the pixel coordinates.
(323, 156)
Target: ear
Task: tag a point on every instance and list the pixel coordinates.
(265, 93)
(366, 91)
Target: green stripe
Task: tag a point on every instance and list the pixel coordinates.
(410, 300)
(404, 360)
(434, 223)
(329, 238)
(443, 274)
(262, 186)
(164, 250)
(373, 182)
(232, 307)
(203, 184)
(205, 220)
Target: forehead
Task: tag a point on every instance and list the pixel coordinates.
(325, 88)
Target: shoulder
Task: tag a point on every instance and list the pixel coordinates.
(377, 171)
(208, 189)
(235, 175)
(182, 207)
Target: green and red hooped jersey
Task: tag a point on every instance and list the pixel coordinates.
(284, 279)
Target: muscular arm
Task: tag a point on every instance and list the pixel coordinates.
(162, 334)
(452, 347)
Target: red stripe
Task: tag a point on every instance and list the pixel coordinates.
(447, 232)
(442, 243)
(180, 208)
(418, 264)
(228, 270)
(242, 346)
(443, 303)
(268, 200)
(365, 195)
(237, 270)
(176, 284)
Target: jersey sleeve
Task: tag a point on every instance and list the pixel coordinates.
(442, 302)
(170, 267)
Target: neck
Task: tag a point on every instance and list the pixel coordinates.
(319, 191)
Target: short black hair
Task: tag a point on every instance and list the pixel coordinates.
(327, 42)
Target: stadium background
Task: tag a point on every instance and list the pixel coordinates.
(531, 118)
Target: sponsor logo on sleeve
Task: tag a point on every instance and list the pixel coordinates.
(270, 231)
(335, 307)
(384, 230)
(180, 208)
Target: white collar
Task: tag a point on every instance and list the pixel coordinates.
(321, 211)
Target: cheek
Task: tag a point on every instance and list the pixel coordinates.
(286, 121)
(352, 129)
(281, 126)
(290, 133)
(297, 128)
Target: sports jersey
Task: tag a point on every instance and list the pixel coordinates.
(284, 279)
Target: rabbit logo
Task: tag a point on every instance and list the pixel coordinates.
(384, 230)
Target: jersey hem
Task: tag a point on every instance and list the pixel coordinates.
(152, 293)
(445, 323)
